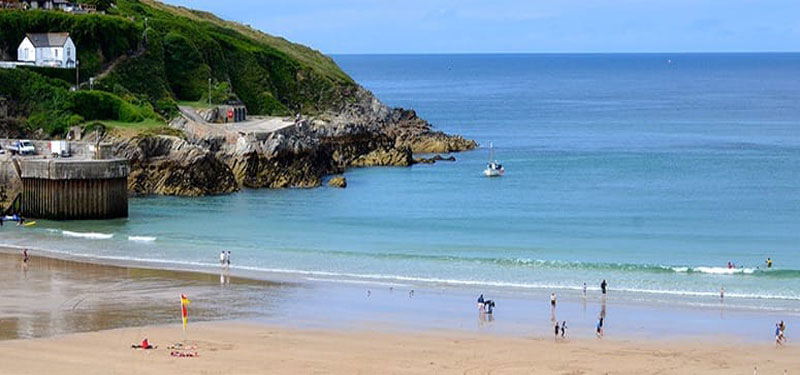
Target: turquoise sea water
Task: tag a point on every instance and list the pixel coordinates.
(650, 171)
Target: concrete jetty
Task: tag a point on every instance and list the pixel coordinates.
(65, 189)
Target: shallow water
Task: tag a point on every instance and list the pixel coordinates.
(649, 174)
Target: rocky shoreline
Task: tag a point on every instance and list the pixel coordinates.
(365, 133)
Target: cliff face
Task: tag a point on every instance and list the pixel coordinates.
(365, 133)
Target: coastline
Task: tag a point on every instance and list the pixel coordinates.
(67, 290)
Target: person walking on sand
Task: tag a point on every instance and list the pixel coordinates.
(564, 329)
(481, 302)
(600, 328)
(25, 256)
(556, 329)
(778, 341)
(603, 286)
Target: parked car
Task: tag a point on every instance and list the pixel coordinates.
(23, 147)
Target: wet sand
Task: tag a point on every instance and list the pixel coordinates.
(237, 348)
(72, 316)
(51, 296)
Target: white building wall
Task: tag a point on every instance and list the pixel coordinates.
(26, 52)
(70, 54)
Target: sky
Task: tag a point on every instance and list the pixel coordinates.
(521, 26)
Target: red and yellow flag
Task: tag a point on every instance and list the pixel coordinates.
(184, 311)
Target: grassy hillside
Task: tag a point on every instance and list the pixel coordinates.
(148, 55)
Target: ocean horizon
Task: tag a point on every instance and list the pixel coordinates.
(649, 170)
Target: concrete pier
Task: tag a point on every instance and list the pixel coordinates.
(63, 189)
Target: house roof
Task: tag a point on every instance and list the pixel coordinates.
(48, 39)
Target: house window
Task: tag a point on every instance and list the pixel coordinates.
(56, 52)
(69, 53)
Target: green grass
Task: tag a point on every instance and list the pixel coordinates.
(148, 69)
(141, 125)
(201, 104)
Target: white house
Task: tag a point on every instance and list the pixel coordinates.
(49, 49)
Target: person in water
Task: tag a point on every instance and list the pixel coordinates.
(584, 290)
(481, 302)
(603, 286)
(721, 293)
(228, 258)
(769, 262)
(222, 258)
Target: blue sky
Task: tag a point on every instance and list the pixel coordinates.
(468, 26)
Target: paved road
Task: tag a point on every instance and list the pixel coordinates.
(258, 125)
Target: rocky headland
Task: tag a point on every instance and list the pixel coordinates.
(365, 133)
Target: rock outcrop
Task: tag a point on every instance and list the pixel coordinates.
(205, 161)
(392, 157)
(338, 182)
(10, 183)
(434, 159)
(170, 166)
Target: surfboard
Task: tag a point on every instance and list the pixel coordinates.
(29, 224)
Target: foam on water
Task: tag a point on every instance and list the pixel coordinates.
(88, 235)
(141, 238)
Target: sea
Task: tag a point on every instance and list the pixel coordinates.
(649, 171)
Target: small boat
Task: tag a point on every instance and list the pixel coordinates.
(493, 169)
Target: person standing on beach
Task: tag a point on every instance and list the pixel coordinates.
(564, 329)
(600, 328)
(584, 290)
(25, 256)
(553, 300)
(603, 286)
(557, 328)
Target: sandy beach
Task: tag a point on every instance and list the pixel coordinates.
(82, 318)
(239, 348)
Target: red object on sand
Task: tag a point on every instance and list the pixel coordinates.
(145, 344)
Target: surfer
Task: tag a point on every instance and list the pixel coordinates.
(769, 262)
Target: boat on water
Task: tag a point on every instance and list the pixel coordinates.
(494, 168)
